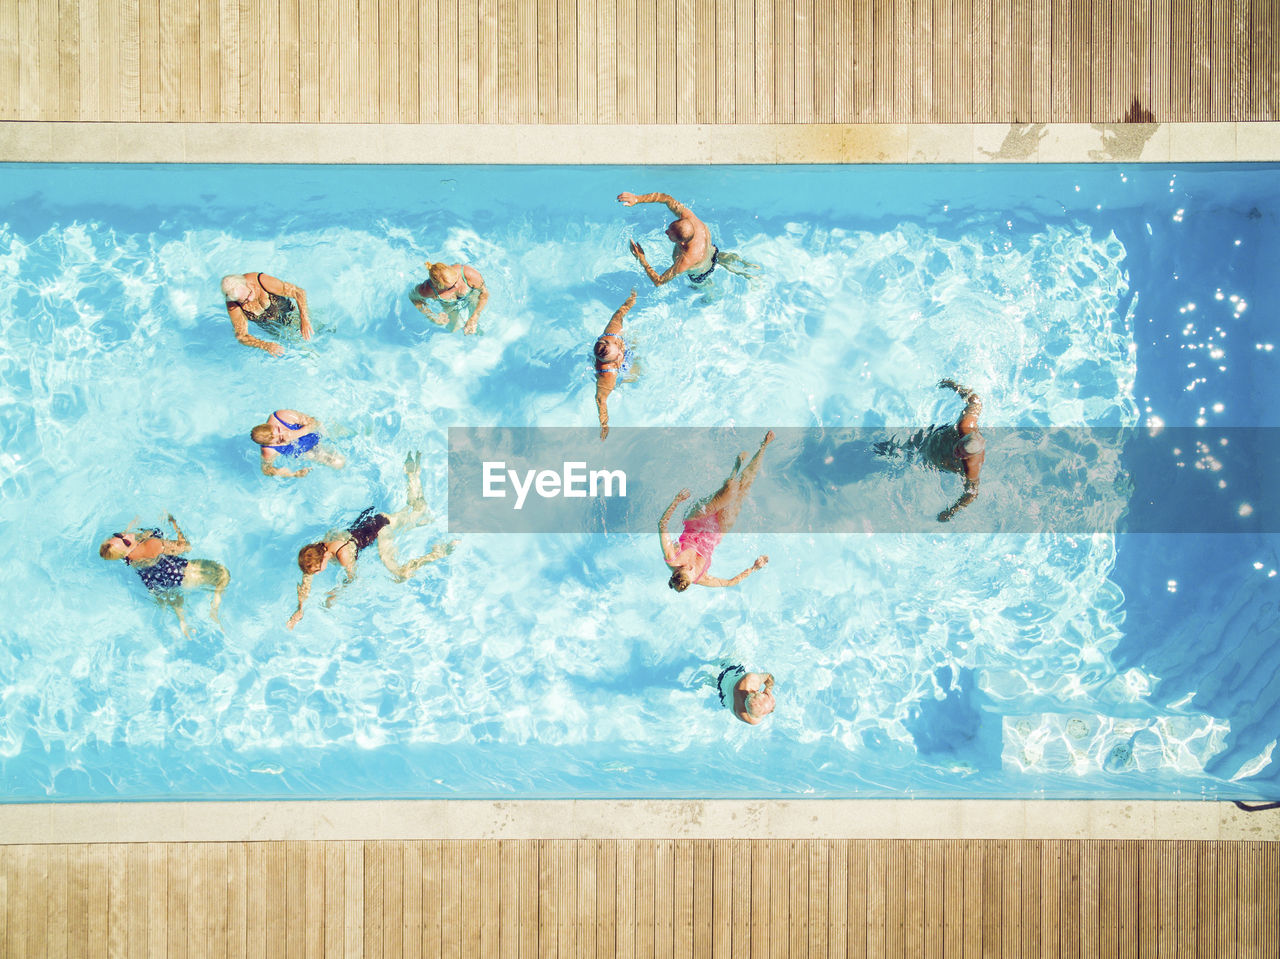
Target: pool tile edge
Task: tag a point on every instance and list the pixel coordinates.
(332, 143)
(649, 819)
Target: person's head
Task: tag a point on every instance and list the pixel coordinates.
(759, 703)
(681, 579)
(263, 434)
(681, 231)
(117, 546)
(311, 558)
(443, 276)
(971, 444)
(606, 349)
(236, 289)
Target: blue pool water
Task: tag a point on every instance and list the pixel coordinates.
(947, 663)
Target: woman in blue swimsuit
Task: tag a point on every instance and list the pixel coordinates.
(291, 434)
(613, 359)
(345, 545)
(162, 571)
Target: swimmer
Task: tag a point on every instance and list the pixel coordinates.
(690, 557)
(613, 360)
(162, 571)
(749, 696)
(457, 288)
(292, 434)
(345, 545)
(955, 449)
(693, 251)
(266, 301)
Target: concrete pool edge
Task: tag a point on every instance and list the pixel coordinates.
(642, 819)
(328, 143)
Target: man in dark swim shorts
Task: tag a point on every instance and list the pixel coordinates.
(345, 545)
(692, 251)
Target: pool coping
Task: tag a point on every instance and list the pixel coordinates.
(230, 821)
(334, 143)
(120, 822)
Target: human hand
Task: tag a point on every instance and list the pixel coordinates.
(471, 326)
(302, 472)
(604, 431)
(275, 349)
(305, 329)
(760, 563)
(946, 514)
(293, 620)
(637, 250)
(683, 495)
(627, 199)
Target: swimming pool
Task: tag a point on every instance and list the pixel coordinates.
(956, 662)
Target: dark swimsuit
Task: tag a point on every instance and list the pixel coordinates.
(164, 573)
(302, 444)
(279, 308)
(366, 528)
(715, 258)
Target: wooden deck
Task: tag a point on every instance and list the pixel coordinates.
(606, 898)
(639, 61)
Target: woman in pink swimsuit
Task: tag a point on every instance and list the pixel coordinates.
(689, 557)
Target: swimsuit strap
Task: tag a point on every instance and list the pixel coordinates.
(285, 425)
(614, 335)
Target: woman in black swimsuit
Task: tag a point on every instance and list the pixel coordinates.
(267, 301)
(345, 545)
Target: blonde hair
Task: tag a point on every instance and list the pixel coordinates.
(440, 273)
(261, 434)
(680, 580)
(105, 549)
(235, 288)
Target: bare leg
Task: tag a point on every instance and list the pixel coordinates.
(729, 512)
(415, 513)
(205, 572)
(327, 457)
(174, 601)
(387, 553)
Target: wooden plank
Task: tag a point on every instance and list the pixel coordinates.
(764, 77)
(1227, 903)
(1059, 62)
(309, 56)
(974, 903)
(784, 62)
(805, 63)
(992, 893)
(744, 67)
(329, 67)
(859, 897)
(1140, 53)
(838, 40)
(370, 70)
(353, 916)
(722, 899)
(1187, 879)
(392, 881)
(347, 46)
(10, 63)
(951, 907)
(698, 75)
(272, 897)
(412, 928)
(984, 67)
(878, 895)
(664, 906)
(70, 47)
(1248, 879)
(1164, 105)
(508, 72)
(1220, 61)
(903, 61)
(488, 906)
(913, 889)
(797, 886)
(1100, 61)
(1030, 897)
(1167, 924)
(77, 899)
(549, 912)
(751, 900)
(236, 900)
(681, 898)
(776, 852)
(1081, 55)
(176, 904)
(1261, 95)
(922, 74)
(268, 65)
(644, 899)
(606, 899)
(607, 63)
(818, 889)
(1148, 897)
(646, 55)
(149, 60)
(1072, 899)
(215, 930)
(470, 894)
(664, 63)
(373, 896)
(291, 896)
(1086, 910)
(1108, 899)
(98, 918)
(157, 926)
(1051, 906)
(197, 900)
(723, 26)
(944, 45)
(467, 62)
(627, 98)
(385, 20)
(882, 62)
(54, 904)
(1206, 899)
(1269, 899)
(1239, 60)
(101, 21)
(433, 898)
(529, 931)
(548, 100)
(1121, 91)
(567, 897)
(587, 80)
(1002, 78)
(625, 905)
(452, 940)
(1197, 17)
(45, 61)
(335, 877)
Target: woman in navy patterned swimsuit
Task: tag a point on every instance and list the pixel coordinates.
(163, 572)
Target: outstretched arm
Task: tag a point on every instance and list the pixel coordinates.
(677, 267)
(968, 496)
(972, 409)
(668, 548)
(304, 590)
(605, 382)
(674, 205)
(178, 545)
(615, 322)
(760, 563)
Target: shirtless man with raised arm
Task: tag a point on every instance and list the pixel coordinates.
(692, 251)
